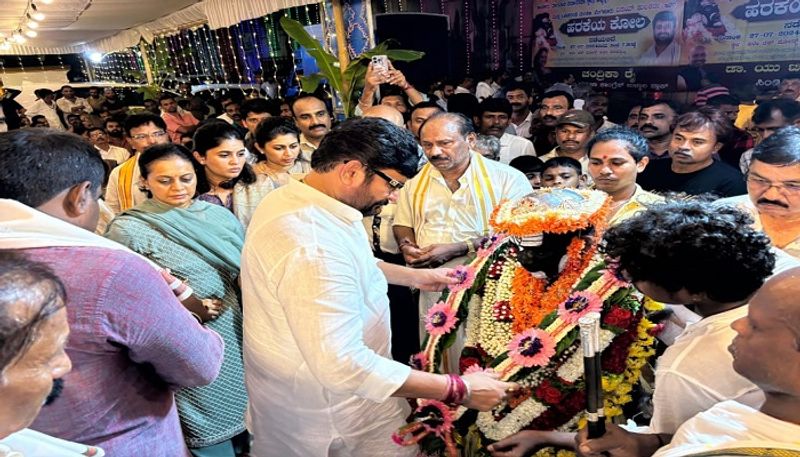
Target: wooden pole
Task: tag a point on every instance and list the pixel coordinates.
(341, 38)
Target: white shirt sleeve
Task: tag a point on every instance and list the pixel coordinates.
(516, 186)
(328, 328)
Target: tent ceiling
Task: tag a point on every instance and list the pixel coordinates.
(71, 23)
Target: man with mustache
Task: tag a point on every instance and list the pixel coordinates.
(691, 168)
(767, 118)
(313, 120)
(492, 119)
(656, 120)
(443, 212)
(554, 103)
(597, 106)
(521, 115)
(665, 51)
(773, 189)
(33, 334)
(574, 130)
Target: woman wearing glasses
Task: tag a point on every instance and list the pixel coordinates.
(201, 244)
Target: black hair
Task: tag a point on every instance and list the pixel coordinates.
(138, 120)
(465, 104)
(377, 143)
(560, 93)
(695, 245)
(650, 102)
(635, 143)
(259, 106)
(65, 86)
(92, 129)
(706, 116)
(31, 284)
(111, 119)
(303, 96)
(160, 152)
(561, 161)
(667, 15)
(725, 99)
(37, 118)
(494, 105)
(517, 85)
(73, 115)
(271, 127)
(209, 136)
(790, 109)
(465, 126)
(781, 148)
(38, 164)
(425, 105)
(527, 164)
(42, 93)
(165, 97)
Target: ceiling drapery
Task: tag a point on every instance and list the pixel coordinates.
(113, 25)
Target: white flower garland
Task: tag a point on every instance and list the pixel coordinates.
(572, 424)
(572, 369)
(520, 417)
(495, 336)
(473, 327)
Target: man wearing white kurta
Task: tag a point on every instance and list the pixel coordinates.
(444, 211)
(316, 328)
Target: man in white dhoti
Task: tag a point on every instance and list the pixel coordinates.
(316, 325)
(444, 211)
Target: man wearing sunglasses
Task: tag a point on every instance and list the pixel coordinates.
(773, 189)
(316, 333)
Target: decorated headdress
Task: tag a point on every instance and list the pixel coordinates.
(551, 210)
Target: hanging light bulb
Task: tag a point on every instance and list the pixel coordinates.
(32, 24)
(31, 33)
(36, 15)
(46, 2)
(18, 38)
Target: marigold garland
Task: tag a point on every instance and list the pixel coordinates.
(527, 217)
(532, 301)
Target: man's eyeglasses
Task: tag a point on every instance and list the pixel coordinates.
(393, 183)
(154, 135)
(761, 183)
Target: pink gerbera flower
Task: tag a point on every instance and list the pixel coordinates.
(578, 305)
(465, 276)
(438, 416)
(533, 347)
(475, 368)
(441, 319)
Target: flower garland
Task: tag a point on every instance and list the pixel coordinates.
(536, 214)
(531, 300)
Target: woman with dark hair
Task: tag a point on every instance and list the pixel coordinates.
(278, 142)
(200, 243)
(223, 175)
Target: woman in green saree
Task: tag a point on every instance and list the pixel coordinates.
(201, 244)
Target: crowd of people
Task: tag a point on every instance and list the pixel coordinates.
(243, 277)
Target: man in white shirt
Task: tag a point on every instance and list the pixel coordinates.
(313, 120)
(70, 104)
(521, 115)
(484, 89)
(574, 130)
(492, 119)
(122, 191)
(316, 325)
(444, 211)
(773, 189)
(597, 105)
(764, 352)
(665, 50)
(99, 139)
(33, 336)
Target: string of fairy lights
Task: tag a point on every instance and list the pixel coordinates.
(259, 47)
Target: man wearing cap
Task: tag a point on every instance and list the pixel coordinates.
(574, 129)
(492, 119)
